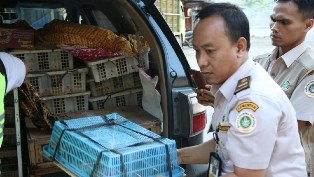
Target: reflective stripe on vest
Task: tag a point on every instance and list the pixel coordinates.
(2, 94)
(1, 128)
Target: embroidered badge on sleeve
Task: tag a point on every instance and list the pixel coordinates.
(247, 105)
(246, 122)
(309, 89)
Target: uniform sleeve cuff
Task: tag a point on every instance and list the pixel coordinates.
(306, 117)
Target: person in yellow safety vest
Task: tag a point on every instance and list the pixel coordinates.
(12, 75)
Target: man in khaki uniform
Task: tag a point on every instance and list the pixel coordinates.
(291, 64)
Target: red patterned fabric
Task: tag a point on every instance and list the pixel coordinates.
(89, 54)
(92, 54)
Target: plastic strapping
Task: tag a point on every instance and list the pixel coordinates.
(73, 129)
(111, 150)
(108, 122)
(123, 169)
(157, 140)
(97, 162)
(112, 122)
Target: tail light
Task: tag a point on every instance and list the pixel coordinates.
(191, 116)
(199, 122)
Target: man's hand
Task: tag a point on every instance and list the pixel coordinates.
(198, 154)
(205, 97)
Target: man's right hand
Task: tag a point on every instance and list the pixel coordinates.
(205, 97)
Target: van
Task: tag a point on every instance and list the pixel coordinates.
(182, 117)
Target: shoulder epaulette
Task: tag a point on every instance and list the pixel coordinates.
(243, 84)
(259, 57)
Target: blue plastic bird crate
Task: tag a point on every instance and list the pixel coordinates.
(111, 146)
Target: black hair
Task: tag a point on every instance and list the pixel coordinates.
(237, 24)
(306, 7)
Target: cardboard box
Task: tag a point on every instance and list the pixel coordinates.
(36, 138)
(38, 165)
(16, 38)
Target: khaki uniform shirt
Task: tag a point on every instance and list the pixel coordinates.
(257, 125)
(293, 72)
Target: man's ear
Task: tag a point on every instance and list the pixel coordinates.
(241, 45)
(309, 24)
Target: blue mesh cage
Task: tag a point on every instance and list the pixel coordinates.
(111, 146)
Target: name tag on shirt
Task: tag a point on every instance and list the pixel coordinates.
(223, 127)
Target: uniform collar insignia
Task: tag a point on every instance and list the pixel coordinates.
(243, 84)
(286, 85)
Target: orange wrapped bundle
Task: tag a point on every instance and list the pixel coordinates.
(62, 32)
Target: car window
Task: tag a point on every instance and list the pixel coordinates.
(102, 20)
(36, 17)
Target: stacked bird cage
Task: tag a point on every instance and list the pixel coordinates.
(110, 57)
(116, 81)
(53, 86)
(60, 86)
(115, 84)
(110, 145)
(131, 97)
